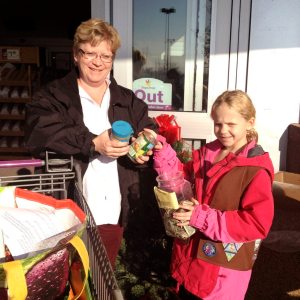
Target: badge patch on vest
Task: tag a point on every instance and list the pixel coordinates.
(231, 249)
(209, 249)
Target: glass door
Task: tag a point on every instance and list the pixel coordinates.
(178, 55)
(170, 43)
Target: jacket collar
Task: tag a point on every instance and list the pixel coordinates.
(70, 82)
(232, 160)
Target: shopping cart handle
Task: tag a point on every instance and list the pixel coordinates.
(21, 163)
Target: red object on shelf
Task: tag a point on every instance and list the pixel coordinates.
(168, 128)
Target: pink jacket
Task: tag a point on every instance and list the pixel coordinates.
(251, 222)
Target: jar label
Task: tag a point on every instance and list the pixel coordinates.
(140, 147)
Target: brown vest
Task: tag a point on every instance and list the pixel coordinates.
(227, 196)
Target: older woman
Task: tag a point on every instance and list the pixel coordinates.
(73, 115)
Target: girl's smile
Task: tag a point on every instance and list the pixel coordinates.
(231, 127)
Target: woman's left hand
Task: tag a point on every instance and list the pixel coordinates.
(145, 158)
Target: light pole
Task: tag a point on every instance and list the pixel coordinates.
(167, 12)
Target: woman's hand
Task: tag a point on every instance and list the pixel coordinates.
(110, 147)
(184, 213)
(145, 158)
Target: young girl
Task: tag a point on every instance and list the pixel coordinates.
(234, 209)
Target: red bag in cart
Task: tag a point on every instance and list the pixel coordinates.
(40, 241)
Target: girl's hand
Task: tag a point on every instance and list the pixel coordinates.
(151, 131)
(184, 213)
(158, 145)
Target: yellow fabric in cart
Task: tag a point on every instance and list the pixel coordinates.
(19, 277)
(15, 276)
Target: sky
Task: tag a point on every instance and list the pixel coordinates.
(149, 28)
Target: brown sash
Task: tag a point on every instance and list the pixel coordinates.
(227, 196)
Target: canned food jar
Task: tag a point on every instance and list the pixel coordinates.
(175, 182)
(121, 131)
(144, 142)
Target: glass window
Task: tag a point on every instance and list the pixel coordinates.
(171, 53)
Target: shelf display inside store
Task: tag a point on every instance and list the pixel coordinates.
(19, 76)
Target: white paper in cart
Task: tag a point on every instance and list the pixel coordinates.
(32, 226)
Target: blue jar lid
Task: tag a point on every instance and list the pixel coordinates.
(121, 129)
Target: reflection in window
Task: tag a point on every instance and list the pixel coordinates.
(171, 53)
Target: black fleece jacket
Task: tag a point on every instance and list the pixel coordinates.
(54, 122)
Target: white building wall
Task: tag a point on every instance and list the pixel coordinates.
(274, 72)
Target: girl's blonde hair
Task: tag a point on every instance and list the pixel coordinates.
(242, 103)
(94, 31)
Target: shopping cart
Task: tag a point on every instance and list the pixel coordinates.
(53, 178)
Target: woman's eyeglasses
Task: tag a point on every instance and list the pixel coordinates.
(93, 55)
